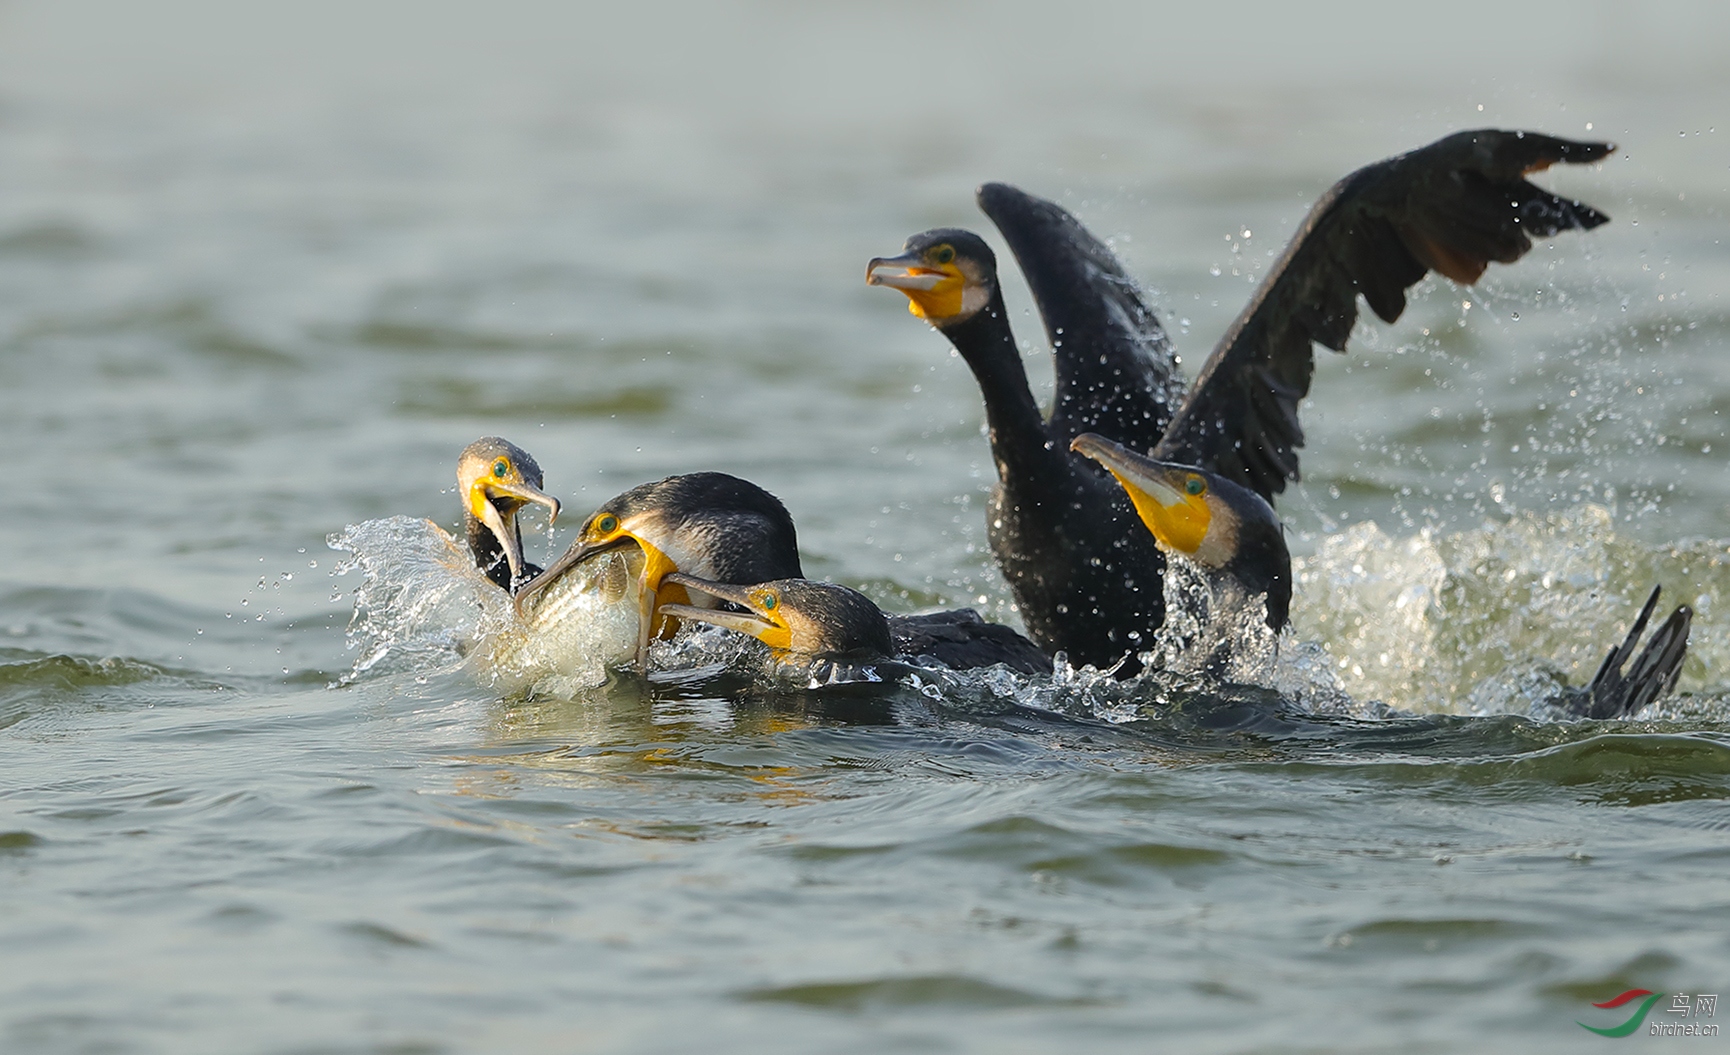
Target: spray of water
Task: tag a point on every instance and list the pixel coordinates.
(1493, 620)
(422, 607)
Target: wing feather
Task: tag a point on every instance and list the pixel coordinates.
(1116, 373)
(1452, 207)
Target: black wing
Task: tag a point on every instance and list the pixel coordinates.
(1115, 371)
(1615, 694)
(1450, 207)
(963, 641)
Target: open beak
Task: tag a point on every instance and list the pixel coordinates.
(656, 569)
(504, 524)
(746, 622)
(1177, 519)
(527, 492)
(572, 557)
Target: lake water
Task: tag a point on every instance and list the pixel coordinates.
(264, 272)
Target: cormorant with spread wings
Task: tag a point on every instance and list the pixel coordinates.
(1087, 577)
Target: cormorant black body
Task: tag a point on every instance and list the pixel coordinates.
(1087, 579)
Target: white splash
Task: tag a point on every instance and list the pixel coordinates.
(1500, 619)
(423, 607)
(1497, 619)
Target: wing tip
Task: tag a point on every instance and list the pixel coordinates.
(1569, 152)
(1620, 689)
(993, 195)
(1589, 217)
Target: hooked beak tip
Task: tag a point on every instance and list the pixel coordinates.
(1089, 445)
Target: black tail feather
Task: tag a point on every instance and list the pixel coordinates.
(1615, 694)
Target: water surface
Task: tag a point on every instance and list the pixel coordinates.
(263, 275)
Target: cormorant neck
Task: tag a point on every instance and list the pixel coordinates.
(1263, 567)
(488, 553)
(1019, 439)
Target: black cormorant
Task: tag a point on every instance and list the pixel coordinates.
(1225, 528)
(712, 525)
(803, 622)
(1061, 530)
(495, 479)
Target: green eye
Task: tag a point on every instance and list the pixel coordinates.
(944, 254)
(607, 524)
(501, 468)
(1195, 486)
(769, 602)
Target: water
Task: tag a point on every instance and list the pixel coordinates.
(263, 274)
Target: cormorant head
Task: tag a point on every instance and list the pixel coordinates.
(495, 479)
(798, 619)
(948, 274)
(709, 524)
(1202, 516)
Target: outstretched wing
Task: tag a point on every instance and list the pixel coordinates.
(1450, 207)
(1115, 371)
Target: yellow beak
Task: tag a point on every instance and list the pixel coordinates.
(932, 293)
(755, 621)
(503, 524)
(1178, 519)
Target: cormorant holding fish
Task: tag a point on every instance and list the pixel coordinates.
(495, 479)
(1209, 520)
(805, 623)
(708, 524)
(1085, 579)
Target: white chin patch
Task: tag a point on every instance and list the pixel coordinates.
(973, 297)
(1219, 545)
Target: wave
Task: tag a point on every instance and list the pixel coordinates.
(33, 682)
(1496, 619)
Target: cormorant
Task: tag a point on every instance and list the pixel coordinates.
(1062, 532)
(495, 479)
(804, 622)
(1223, 527)
(1227, 530)
(708, 524)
